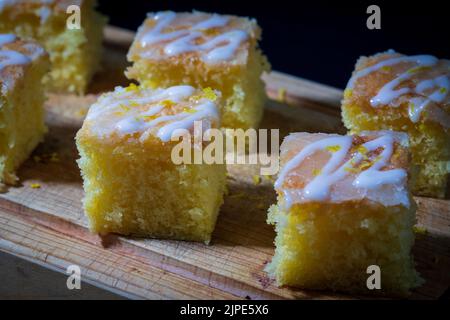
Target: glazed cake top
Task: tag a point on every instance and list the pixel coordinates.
(42, 8)
(140, 112)
(418, 85)
(333, 168)
(212, 38)
(15, 56)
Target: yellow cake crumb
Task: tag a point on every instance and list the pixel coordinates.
(256, 180)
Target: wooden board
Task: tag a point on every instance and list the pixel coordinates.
(47, 225)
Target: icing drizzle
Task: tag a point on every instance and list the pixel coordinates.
(219, 48)
(44, 12)
(362, 168)
(390, 92)
(10, 57)
(149, 120)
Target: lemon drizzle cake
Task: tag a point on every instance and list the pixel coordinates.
(410, 94)
(204, 50)
(74, 52)
(23, 65)
(344, 205)
(132, 185)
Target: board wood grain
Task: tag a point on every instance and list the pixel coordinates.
(47, 225)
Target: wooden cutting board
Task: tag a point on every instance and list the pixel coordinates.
(47, 226)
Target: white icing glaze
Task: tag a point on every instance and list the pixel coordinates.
(388, 94)
(155, 35)
(133, 120)
(417, 105)
(421, 60)
(43, 12)
(214, 51)
(318, 188)
(206, 110)
(6, 39)
(368, 182)
(216, 21)
(10, 58)
(175, 93)
(372, 177)
(219, 48)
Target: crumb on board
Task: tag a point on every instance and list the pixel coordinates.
(81, 112)
(420, 230)
(54, 157)
(281, 97)
(35, 186)
(269, 178)
(46, 157)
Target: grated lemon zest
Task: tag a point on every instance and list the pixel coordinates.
(189, 110)
(210, 94)
(333, 149)
(167, 103)
(131, 87)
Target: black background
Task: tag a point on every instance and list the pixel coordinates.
(315, 39)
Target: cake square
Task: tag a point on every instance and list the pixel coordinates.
(204, 50)
(132, 185)
(410, 94)
(344, 205)
(74, 52)
(23, 65)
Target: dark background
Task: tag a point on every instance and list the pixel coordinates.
(317, 40)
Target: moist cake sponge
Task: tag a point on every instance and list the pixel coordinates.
(132, 185)
(204, 50)
(74, 53)
(23, 65)
(343, 205)
(411, 94)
